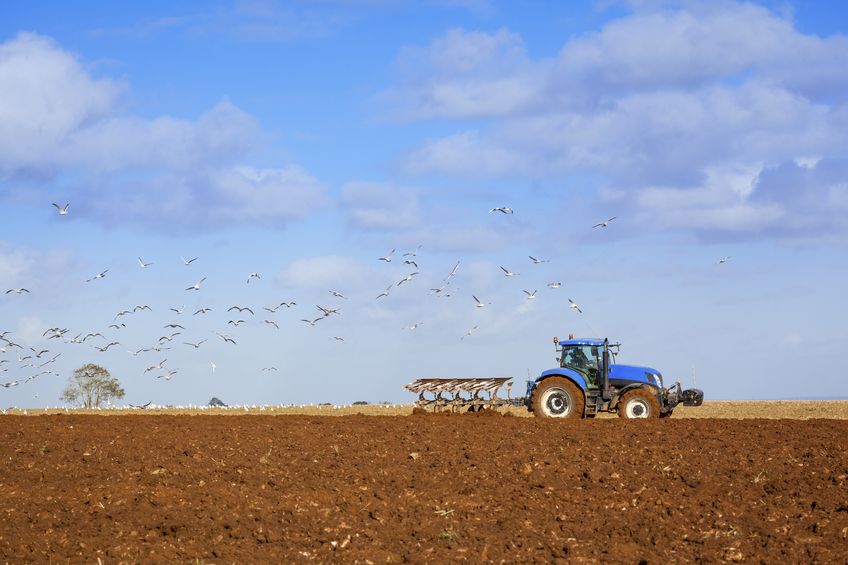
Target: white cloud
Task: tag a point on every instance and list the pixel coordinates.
(32, 268)
(58, 123)
(657, 103)
(380, 206)
(329, 271)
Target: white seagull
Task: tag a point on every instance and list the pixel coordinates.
(178, 310)
(338, 338)
(334, 293)
(530, 295)
(537, 261)
(387, 258)
(313, 322)
(272, 323)
(253, 275)
(502, 209)
(508, 273)
(407, 278)
(479, 304)
(469, 332)
(63, 211)
(385, 292)
(202, 311)
(554, 284)
(196, 286)
(603, 224)
(195, 345)
(189, 262)
(415, 326)
(226, 338)
(724, 260)
(98, 276)
(574, 306)
(17, 290)
(240, 309)
(142, 264)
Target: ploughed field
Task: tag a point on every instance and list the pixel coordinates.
(477, 487)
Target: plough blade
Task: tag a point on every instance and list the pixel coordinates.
(457, 394)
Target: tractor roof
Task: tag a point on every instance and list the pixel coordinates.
(582, 341)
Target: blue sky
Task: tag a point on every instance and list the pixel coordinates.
(303, 140)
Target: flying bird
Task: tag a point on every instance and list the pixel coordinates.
(469, 332)
(327, 311)
(724, 260)
(554, 284)
(253, 275)
(385, 292)
(537, 261)
(530, 295)
(214, 366)
(240, 309)
(107, 346)
(503, 210)
(17, 290)
(236, 322)
(98, 276)
(173, 326)
(338, 338)
(574, 306)
(412, 253)
(142, 307)
(414, 326)
(178, 310)
(272, 323)
(226, 338)
(410, 262)
(63, 211)
(196, 286)
(189, 262)
(269, 368)
(508, 273)
(387, 258)
(313, 322)
(603, 224)
(195, 345)
(479, 304)
(202, 311)
(142, 264)
(453, 272)
(407, 278)
(338, 294)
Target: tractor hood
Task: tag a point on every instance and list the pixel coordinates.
(633, 373)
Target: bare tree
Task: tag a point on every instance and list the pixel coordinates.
(91, 385)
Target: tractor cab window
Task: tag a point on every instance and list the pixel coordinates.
(585, 359)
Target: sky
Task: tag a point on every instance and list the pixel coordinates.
(304, 140)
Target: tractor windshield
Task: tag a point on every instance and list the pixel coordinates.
(585, 359)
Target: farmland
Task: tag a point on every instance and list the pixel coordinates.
(487, 487)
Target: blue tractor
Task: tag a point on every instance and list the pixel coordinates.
(588, 382)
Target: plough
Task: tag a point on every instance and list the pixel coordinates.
(464, 394)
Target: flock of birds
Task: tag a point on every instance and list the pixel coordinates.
(38, 361)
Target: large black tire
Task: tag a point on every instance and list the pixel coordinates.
(639, 403)
(556, 397)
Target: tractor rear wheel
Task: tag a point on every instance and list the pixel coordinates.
(638, 403)
(556, 397)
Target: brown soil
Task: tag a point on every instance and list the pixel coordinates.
(421, 489)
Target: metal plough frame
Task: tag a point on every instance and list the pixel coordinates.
(447, 394)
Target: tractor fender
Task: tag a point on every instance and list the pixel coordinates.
(569, 374)
(650, 388)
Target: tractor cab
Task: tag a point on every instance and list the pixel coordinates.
(585, 356)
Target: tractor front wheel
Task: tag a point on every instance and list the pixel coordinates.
(556, 397)
(638, 403)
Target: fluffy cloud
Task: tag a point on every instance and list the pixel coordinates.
(380, 206)
(59, 123)
(663, 104)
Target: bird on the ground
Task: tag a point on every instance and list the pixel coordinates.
(189, 262)
(574, 305)
(508, 273)
(479, 304)
(603, 224)
(62, 210)
(530, 295)
(469, 332)
(385, 292)
(98, 276)
(17, 290)
(271, 323)
(195, 345)
(240, 309)
(387, 258)
(226, 338)
(313, 322)
(537, 261)
(407, 278)
(253, 275)
(202, 311)
(196, 286)
(338, 294)
(178, 310)
(502, 209)
(554, 284)
(142, 264)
